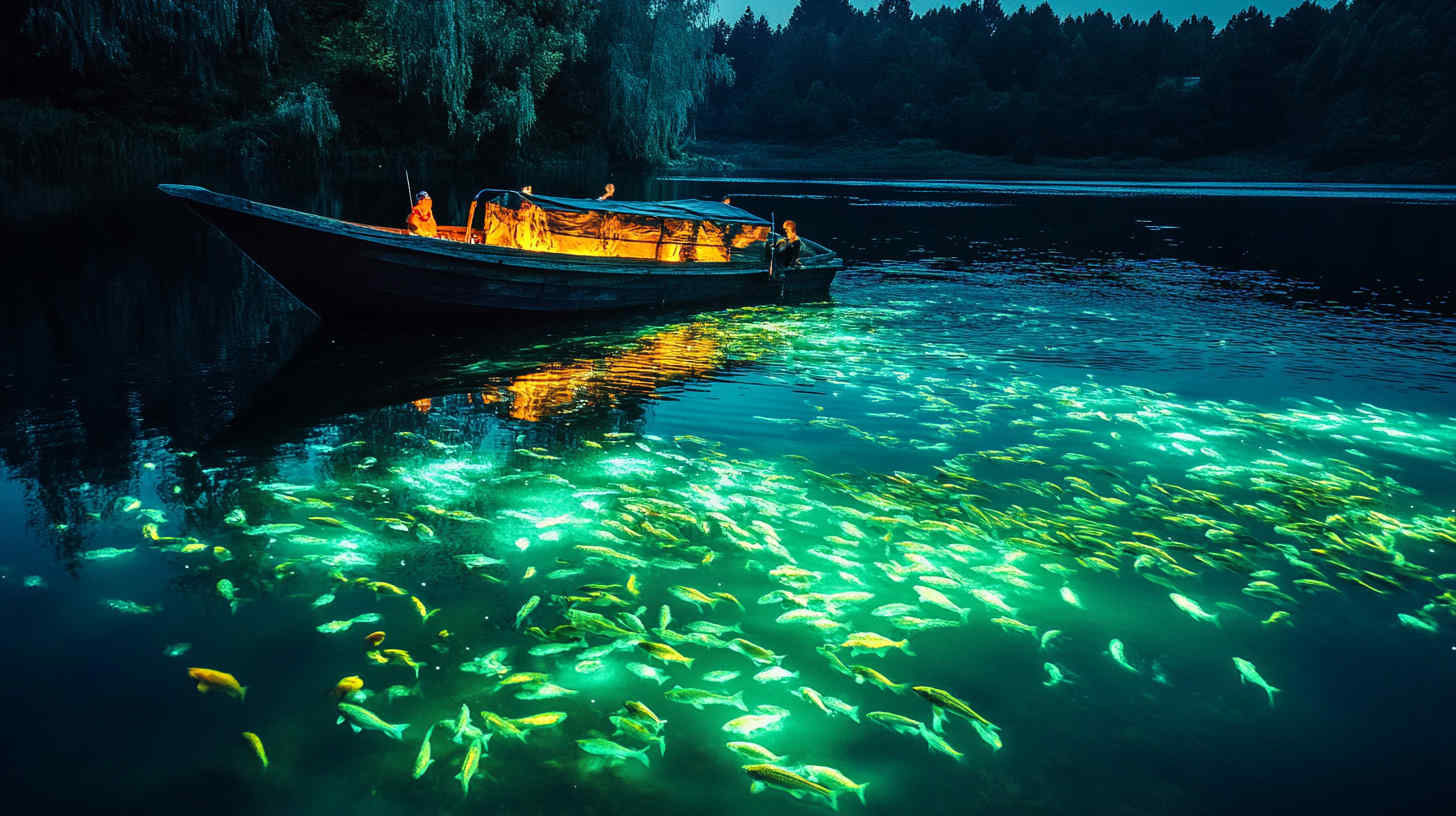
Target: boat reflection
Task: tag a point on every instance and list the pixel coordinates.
(659, 358)
(598, 376)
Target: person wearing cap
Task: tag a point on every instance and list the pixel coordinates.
(609, 191)
(786, 249)
(421, 220)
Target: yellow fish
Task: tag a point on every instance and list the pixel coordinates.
(425, 614)
(257, 744)
(209, 679)
(665, 653)
(872, 642)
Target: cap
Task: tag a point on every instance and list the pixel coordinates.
(421, 194)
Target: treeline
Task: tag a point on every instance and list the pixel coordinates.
(477, 78)
(1364, 81)
(1360, 82)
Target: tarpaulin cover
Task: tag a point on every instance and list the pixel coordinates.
(616, 234)
(689, 209)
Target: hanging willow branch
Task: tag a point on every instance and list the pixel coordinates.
(659, 68)
(484, 62)
(196, 36)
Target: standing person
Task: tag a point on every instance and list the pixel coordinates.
(421, 219)
(786, 249)
(610, 191)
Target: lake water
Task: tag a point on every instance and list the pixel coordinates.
(1023, 409)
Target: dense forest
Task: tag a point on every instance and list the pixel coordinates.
(635, 80)
(1364, 81)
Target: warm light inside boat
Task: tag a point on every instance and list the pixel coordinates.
(613, 235)
(605, 233)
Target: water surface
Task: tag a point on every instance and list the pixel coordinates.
(1012, 390)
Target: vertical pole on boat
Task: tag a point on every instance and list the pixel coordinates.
(771, 223)
(409, 187)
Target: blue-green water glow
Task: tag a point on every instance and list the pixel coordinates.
(998, 403)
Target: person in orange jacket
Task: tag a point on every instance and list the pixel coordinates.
(421, 220)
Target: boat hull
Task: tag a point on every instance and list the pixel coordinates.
(340, 268)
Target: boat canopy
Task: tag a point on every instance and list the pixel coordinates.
(690, 209)
(686, 230)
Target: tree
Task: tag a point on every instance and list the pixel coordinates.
(485, 63)
(659, 65)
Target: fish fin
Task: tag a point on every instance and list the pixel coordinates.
(938, 719)
(755, 787)
(202, 688)
(642, 755)
(340, 721)
(738, 701)
(858, 680)
(242, 692)
(661, 745)
(355, 728)
(907, 650)
(834, 800)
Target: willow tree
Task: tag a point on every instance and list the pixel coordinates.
(659, 65)
(194, 38)
(483, 63)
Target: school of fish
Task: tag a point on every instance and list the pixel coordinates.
(627, 591)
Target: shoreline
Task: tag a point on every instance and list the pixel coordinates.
(922, 159)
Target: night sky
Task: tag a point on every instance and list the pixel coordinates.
(778, 11)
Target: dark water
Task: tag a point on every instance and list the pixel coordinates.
(1008, 385)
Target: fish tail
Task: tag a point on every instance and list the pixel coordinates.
(642, 755)
(1271, 690)
(1214, 620)
(898, 688)
(738, 701)
(661, 745)
(397, 731)
(907, 650)
(854, 713)
(689, 661)
(242, 692)
(860, 791)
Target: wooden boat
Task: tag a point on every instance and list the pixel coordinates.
(530, 254)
